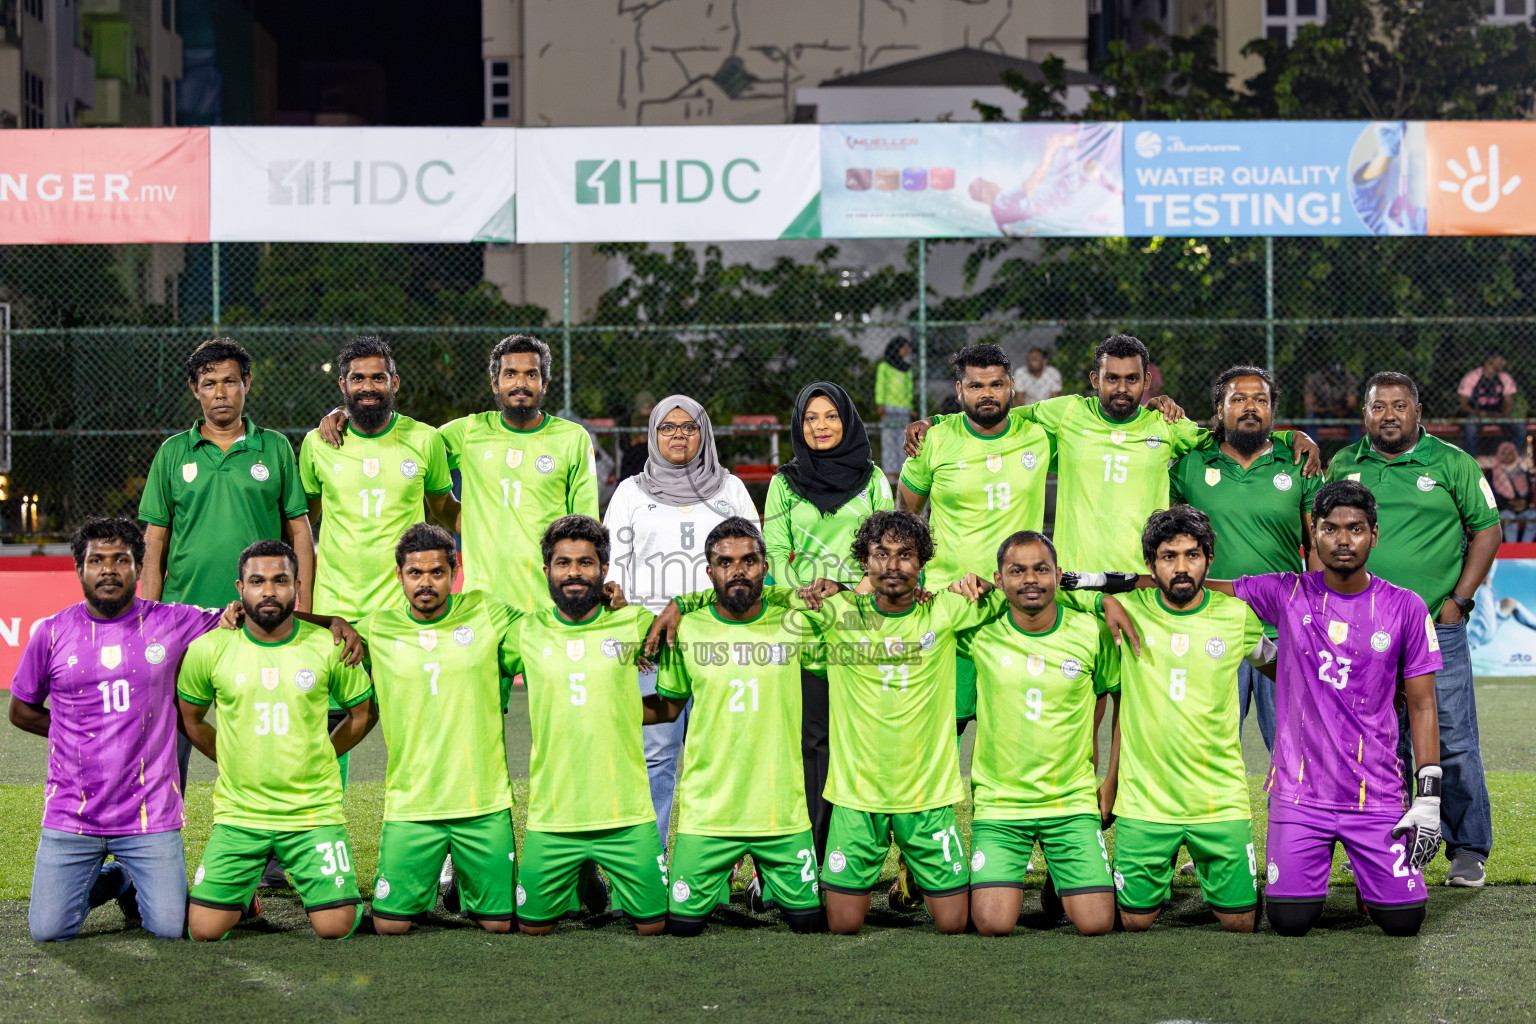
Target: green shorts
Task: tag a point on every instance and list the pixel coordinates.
(701, 871)
(319, 860)
(411, 858)
(631, 857)
(1222, 852)
(1074, 853)
(858, 841)
(965, 689)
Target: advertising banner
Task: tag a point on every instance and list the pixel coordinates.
(104, 185)
(1483, 177)
(26, 599)
(1501, 631)
(718, 183)
(970, 180)
(363, 184)
(1275, 178)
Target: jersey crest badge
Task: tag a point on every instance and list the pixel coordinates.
(837, 861)
(1338, 632)
(1071, 668)
(1153, 442)
(1283, 481)
(189, 471)
(1117, 436)
(994, 463)
(408, 469)
(111, 657)
(1353, 476)
(1180, 644)
(1212, 476)
(259, 473)
(680, 891)
(1215, 647)
(575, 649)
(1380, 641)
(154, 653)
(1035, 664)
(544, 464)
(269, 678)
(1426, 484)
(1482, 483)
(514, 457)
(610, 647)
(370, 468)
(893, 646)
(1029, 460)
(464, 636)
(304, 679)
(427, 638)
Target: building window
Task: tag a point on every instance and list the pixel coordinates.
(1282, 18)
(32, 100)
(498, 90)
(167, 103)
(1506, 12)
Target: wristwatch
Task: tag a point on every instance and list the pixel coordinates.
(1466, 604)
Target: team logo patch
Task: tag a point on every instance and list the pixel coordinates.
(1119, 881)
(1283, 481)
(269, 678)
(1212, 476)
(680, 891)
(836, 861)
(893, 645)
(1431, 635)
(260, 472)
(1353, 476)
(427, 638)
(994, 463)
(1153, 442)
(1274, 873)
(1035, 663)
(189, 471)
(1071, 668)
(1180, 644)
(722, 507)
(522, 895)
(1029, 460)
(575, 649)
(197, 879)
(776, 654)
(544, 464)
(464, 636)
(154, 653)
(1380, 640)
(978, 861)
(1338, 632)
(1215, 647)
(304, 679)
(514, 457)
(408, 469)
(610, 647)
(928, 640)
(1117, 436)
(381, 888)
(1487, 492)
(370, 468)
(111, 657)
(1426, 484)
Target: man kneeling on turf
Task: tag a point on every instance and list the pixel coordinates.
(279, 787)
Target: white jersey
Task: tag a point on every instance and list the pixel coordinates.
(658, 550)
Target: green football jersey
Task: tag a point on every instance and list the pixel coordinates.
(371, 490)
(742, 773)
(277, 767)
(979, 489)
(513, 484)
(1180, 759)
(1035, 695)
(587, 764)
(891, 680)
(439, 692)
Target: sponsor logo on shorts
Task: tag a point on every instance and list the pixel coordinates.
(1380, 640)
(1071, 668)
(1283, 481)
(1426, 484)
(544, 464)
(680, 891)
(464, 636)
(1119, 882)
(341, 880)
(522, 895)
(197, 879)
(408, 469)
(154, 654)
(304, 679)
(1215, 647)
(959, 868)
(1029, 460)
(260, 472)
(978, 861)
(1153, 442)
(928, 640)
(1274, 873)
(815, 887)
(836, 861)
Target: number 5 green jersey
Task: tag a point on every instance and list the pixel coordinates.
(980, 489)
(439, 691)
(277, 767)
(1180, 759)
(514, 483)
(371, 490)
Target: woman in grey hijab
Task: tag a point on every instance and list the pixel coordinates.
(657, 521)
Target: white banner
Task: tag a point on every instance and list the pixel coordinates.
(715, 183)
(363, 184)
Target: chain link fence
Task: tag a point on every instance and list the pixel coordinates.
(98, 333)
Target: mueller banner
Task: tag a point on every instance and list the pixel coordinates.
(1501, 631)
(716, 183)
(1275, 178)
(1482, 177)
(363, 184)
(102, 185)
(969, 180)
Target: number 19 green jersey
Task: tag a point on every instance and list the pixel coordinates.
(277, 766)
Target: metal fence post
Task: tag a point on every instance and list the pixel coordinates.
(922, 328)
(214, 283)
(1269, 303)
(565, 320)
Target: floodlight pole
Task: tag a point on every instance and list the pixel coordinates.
(922, 328)
(565, 349)
(1269, 303)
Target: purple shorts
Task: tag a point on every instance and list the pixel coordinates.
(1300, 852)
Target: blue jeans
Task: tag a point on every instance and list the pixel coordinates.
(663, 753)
(69, 878)
(1252, 682)
(1466, 817)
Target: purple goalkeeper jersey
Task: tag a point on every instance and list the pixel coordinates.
(110, 685)
(1341, 656)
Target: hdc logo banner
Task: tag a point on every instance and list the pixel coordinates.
(103, 185)
(1482, 177)
(1275, 178)
(363, 184)
(714, 183)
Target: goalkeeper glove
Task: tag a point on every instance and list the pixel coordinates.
(1421, 824)
(1108, 582)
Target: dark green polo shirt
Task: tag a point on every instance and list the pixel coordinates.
(216, 504)
(1256, 512)
(1427, 500)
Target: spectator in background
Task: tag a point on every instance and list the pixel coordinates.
(1486, 393)
(639, 444)
(893, 394)
(1036, 380)
(1154, 383)
(1512, 487)
(1332, 393)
